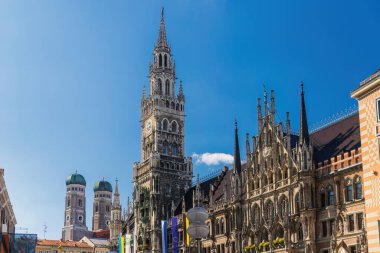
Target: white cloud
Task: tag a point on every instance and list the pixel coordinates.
(213, 158)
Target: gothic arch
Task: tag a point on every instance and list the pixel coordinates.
(160, 60)
(166, 60)
(165, 124)
(159, 86)
(167, 87)
(174, 126)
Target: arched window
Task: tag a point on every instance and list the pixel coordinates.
(297, 202)
(269, 212)
(265, 181)
(174, 126)
(283, 207)
(167, 88)
(96, 208)
(166, 60)
(80, 203)
(177, 106)
(358, 188)
(322, 194)
(330, 196)
(217, 231)
(349, 191)
(68, 203)
(165, 149)
(222, 226)
(167, 103)
(174, 149)
(256, 215)
(160, 60)
(165, 125)
(159, 86)
(172, 105)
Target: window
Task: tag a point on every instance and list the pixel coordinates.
(353, 249)
(300, 233)
(358, 189)
(80, 203)
(174, 150)
(297, 200)
(80, 218)
(349, 193)
(165, 124)
(359, 220)
(325, 251)
(107, 209)
(324, 228)
(330, 196)
(332, 225)
(165, 149)
(160, 60)
(323, 198)
(351, 223)
(174, 126)
(283, 208)
(96, 208)
(378, 109)
(166, 60)
(68, 202)
(46, 251)
(159, 86)
(167, 88)
(67, 218)
(40, 251)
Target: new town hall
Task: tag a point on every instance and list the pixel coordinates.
(305, 192)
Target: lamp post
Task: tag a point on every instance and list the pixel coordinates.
(197, 216)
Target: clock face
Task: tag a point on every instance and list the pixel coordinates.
(149, 126)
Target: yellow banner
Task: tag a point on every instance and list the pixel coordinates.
(187, 235)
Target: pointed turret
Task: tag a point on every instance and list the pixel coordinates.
(162, 42)
(116, 196)
(304, 130)
(259, 117)
(237, 161)
(272, 106)
(247, 145)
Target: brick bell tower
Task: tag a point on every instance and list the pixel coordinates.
(164, 173)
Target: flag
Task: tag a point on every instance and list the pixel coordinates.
(175, 234)
(128, 243)
(134, 242)
(164, 229)
(121, 244)
(186, 234)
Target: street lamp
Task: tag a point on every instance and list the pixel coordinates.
(197, 216)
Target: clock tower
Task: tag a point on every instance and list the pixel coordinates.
(164, 173)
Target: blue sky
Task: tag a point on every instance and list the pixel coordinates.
(72, 74)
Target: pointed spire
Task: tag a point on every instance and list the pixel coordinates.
(304, 130)
(272, 107)
(162, 34)
(259, 116)
(237, 161)
(116, 196)
(266, 102)
(247, 145)
(144, 93)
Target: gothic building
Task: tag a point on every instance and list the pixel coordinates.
(297, 192)
(107, 216)
(164, 173)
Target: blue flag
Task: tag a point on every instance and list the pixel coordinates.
(164, 229)
(175, 234)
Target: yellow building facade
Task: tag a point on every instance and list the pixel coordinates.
(56, 246)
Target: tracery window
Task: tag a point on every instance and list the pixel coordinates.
(269, 211)
(160, 60)
(166, 60)
(283, 207)
(159, 86)
(165, 125)
(297, 202)
(256, 214)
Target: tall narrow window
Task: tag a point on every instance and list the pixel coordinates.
(324, 228)
(323, 197)
(349, 193)
(378, 109)
(300, 233)
(80, 203)
(167, 88)
(359, 220)
(330, 196)
(159, 86)
(160, 60)
(358, 189)
(351, 224)
(166, 60)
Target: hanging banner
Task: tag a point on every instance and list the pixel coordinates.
(175, 234)
(128, 243)
(121, 244)
(186, 234)
(134, 242)
(164, 233)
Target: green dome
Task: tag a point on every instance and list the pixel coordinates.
(75, 179)
(102, 186)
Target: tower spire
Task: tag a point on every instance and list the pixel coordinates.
(116, 195)
(237, 161)
(304, 130)
(162, 34)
